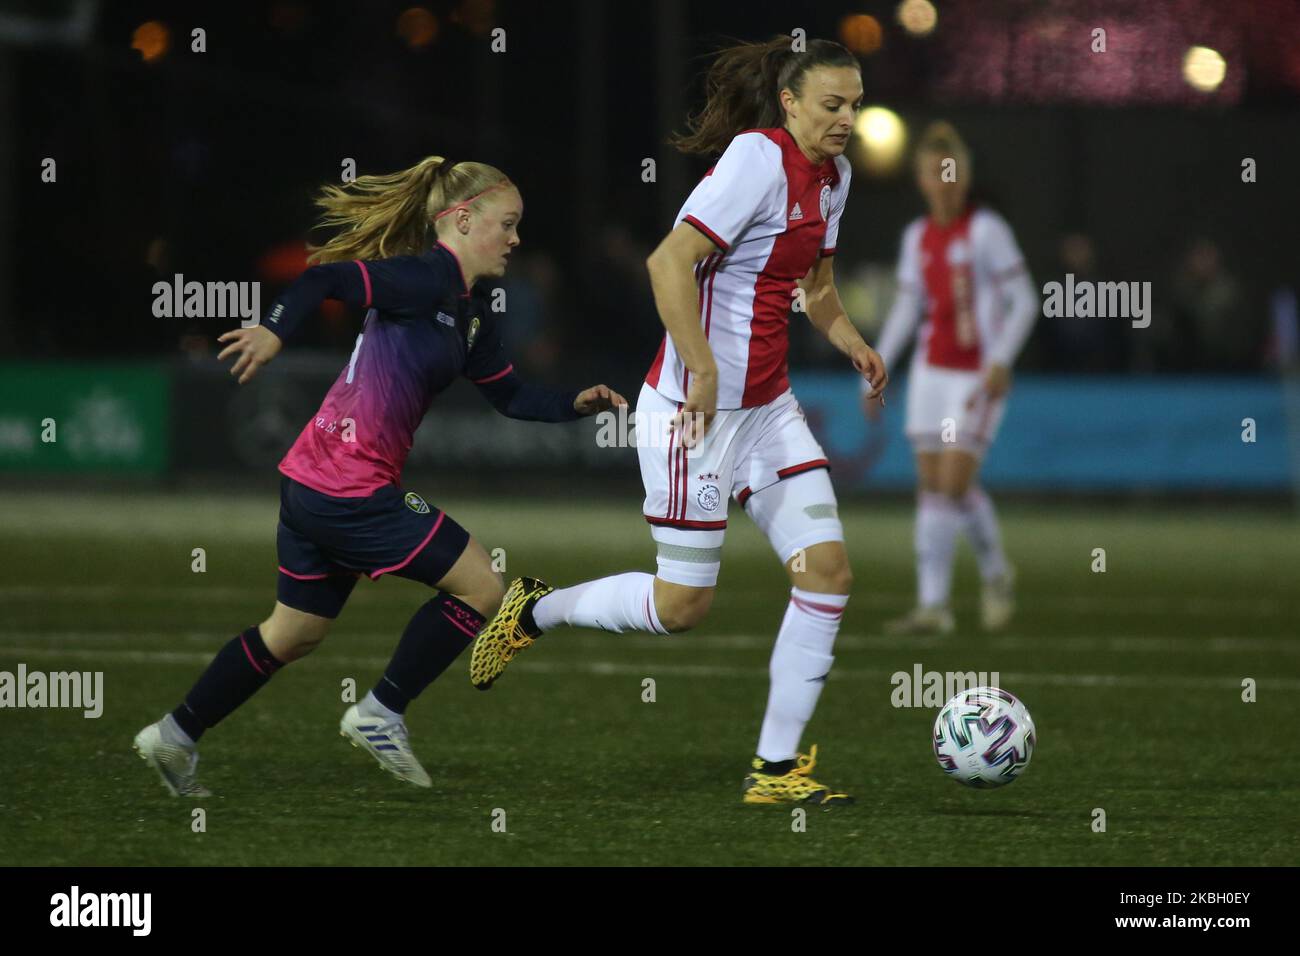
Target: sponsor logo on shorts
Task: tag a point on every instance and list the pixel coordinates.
(709, 497)
(416, 503)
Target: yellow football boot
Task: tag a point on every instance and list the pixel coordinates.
(790, 781)
(511, 631)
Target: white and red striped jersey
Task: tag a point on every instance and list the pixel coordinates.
(968, 281)
(771, 212)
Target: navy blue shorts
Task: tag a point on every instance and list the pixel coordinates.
(325, 543)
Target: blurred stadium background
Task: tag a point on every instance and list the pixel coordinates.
(1125, 165)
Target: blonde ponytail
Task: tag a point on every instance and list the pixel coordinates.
(392, 215)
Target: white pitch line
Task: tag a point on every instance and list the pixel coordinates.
(889, 600)
(1280, 644)
(645, 669)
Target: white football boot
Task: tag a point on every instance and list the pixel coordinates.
(998, 601)
(175, 763)
(386, 741)
(922, 621)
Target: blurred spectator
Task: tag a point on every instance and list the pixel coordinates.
(1076, 344)
(532, 326)
(625, 329)
(1210, 328)
(1284, 339)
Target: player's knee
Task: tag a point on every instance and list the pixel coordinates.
(290, 640)
(486, 594)
(827, 571)
(682, 608)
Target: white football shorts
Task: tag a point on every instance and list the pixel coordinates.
(766, 458)
(948, 408)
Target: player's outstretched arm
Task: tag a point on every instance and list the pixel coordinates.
(513, 397)
(255, 346)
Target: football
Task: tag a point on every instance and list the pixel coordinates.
(984, 737)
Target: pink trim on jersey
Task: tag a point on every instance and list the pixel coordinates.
(459, 267)
(803, 605)
(365, 277)
(302, 577)
(492, 378)
(374, 575)
(249, 654)
(708, 233)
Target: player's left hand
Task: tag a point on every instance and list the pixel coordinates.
(254, 346)
(598, 398)
(868, 361)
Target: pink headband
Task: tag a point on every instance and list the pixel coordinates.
(464, 203)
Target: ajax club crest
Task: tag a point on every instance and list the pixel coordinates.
(824, 202)
(709, 496)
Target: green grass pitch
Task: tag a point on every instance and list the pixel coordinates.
(1134, 678)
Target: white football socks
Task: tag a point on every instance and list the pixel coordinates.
(801, 660)
(370, 706)
(622, 602)
(938, 522)
(981, 527)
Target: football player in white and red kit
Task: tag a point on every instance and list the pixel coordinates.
(961, 277)
(716, 418)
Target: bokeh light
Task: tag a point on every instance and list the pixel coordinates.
(861, 33)
(918, 17)
(152, 40)
(880, 142)
(418, 27)
(1204, 69)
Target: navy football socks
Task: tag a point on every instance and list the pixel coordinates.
(435, 636)
(239, 671)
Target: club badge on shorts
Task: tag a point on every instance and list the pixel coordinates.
(415, 502)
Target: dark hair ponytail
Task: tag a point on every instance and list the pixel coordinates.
(744, 87)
